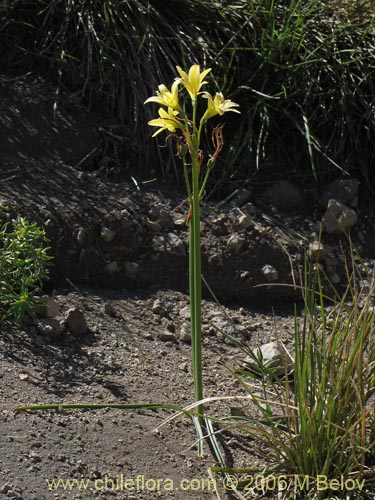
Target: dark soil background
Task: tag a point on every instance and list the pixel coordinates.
(120, 253)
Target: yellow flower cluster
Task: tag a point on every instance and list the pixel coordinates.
(174, 117)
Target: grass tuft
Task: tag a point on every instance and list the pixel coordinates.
(302, 72)
(319, 424)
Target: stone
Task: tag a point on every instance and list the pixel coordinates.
(169, 325)
(343, 190)
(83, 236)
(14, 495)
(174, 245)
(166, 220)
(166, 336)
(46, 307)
(235, 243)
(49, 326)
(111, 217)
(245, 221)
(109, 309)
(243, 196)
(221, 325)
(338, 218)
(185, 313)
(215, 259)
(220, 220)
(180, 223)
(125, 218)
(153, 226)
(23, 376)
(111, 267)
(75, 321)
(158, 308)
(317, 251)
(284, 196)
(273, 356)
(35, 457)
(5, 488)
(249, 209)
(237, 411)
(270, 273)
(107, 234)
(130, 205)
(132, 270)
(185, 334)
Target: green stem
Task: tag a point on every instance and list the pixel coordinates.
(195, 270)
(195, 286)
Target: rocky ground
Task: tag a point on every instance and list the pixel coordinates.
(118, 329)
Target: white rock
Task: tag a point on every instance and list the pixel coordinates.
(158, 308)
(270, 273)
(185, 335)
(49, 326)
(46, 307)
(180, 222)
(273, 355)
(174, 245)
(338, 218)
(235, 243)
(317, 251)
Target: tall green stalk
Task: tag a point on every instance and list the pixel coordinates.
(195, 286)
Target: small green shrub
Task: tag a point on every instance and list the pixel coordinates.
(23, 265)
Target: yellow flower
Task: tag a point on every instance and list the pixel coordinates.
(167, 121)
(218, 105)
(194, 80)
(165, 97)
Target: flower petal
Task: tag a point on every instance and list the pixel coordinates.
(194, 80)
